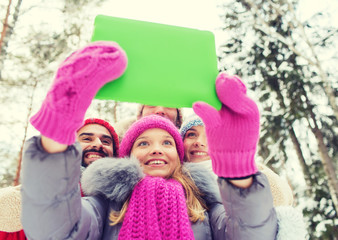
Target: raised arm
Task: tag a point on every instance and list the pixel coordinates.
(232, 135)
(52, 207)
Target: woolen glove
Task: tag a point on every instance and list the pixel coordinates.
(232, 132)
(76, 83)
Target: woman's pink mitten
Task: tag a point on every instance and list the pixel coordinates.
(76, 83)
(232, 132)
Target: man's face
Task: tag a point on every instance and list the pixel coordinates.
(170, 113)
(96, 143)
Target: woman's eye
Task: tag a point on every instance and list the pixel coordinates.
(167, 142)
(190, 134)
(144, 143)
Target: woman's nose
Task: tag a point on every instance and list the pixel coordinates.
(200, 143)
(156, 149)
(160, 111)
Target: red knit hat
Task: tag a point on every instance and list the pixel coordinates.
(109, 128)
(149, 122)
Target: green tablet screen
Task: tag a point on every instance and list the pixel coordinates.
(168, 65)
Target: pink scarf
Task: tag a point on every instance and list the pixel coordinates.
(157, 210)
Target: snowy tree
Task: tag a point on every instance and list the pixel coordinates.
(31, 53)
(284, 61)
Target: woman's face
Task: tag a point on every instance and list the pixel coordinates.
(156, 150)
(195, 145)
(170, 113)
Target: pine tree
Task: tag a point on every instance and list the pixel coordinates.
(269, 47)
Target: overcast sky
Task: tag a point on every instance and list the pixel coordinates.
(199, 14)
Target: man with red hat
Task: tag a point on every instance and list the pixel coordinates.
(98, 139)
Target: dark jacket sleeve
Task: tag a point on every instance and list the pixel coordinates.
(245, 213)
(52, 207)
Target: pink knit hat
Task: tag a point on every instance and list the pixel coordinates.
(148, 122)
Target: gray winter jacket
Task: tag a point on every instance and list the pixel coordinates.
(52, 207)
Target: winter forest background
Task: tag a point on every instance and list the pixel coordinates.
(287, 58)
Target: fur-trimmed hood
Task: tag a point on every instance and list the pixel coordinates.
(116, 178)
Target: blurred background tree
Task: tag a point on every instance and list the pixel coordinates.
(288, 64)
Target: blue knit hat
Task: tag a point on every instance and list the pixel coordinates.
(191, 121)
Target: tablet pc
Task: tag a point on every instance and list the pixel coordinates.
(168, 65)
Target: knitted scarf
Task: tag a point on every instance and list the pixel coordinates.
(157, 210)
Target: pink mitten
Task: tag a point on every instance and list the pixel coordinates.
(232, 132)
(76, 83)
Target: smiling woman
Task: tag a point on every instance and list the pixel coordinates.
(195, 140)
(156, 143)
(156, 150)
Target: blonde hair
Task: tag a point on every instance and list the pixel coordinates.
(195, 203)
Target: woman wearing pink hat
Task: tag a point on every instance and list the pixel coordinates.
(145, 194)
